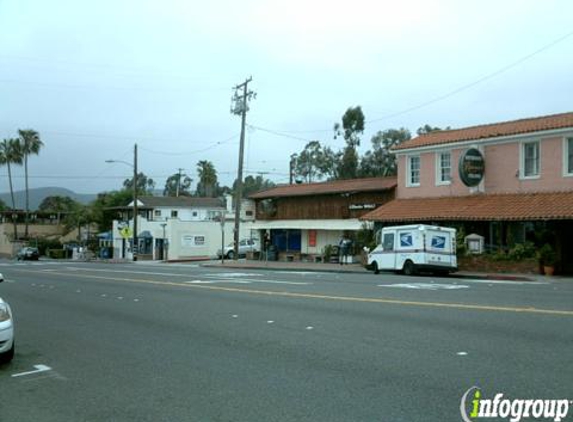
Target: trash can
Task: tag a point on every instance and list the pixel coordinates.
(272, 253)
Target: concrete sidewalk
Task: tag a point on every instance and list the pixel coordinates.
(359, 269)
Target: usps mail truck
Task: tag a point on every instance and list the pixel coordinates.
(414, 248)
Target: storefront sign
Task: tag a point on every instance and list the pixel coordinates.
(192, 241)
(471, 167)
(361, 206)
(312, 238)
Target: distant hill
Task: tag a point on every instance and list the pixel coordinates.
(37, 195)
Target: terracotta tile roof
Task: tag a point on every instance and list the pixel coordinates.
(480, 207)
(181, 201)
(515, 127)
(325, 188)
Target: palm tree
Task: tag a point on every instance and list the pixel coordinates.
(31, 144)
(11, 153)
(207, 178)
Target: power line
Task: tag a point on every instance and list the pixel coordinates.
(214, 145)
(279, 133)
(449, 94)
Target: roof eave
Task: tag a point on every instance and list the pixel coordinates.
(482, 141)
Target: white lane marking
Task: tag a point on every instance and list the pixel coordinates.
(78, 291)
(508, 282)
(120, 297)
(104, 295)
(235, 316)
(232, 275)
(10, 281)
(309, 328)
(462, 353)
(270, 322)
(247, 281)
(301, 272)
(126, 272)
(426, 286)
(217, 281)
(136, 300)
(39, 368)
(294, 283)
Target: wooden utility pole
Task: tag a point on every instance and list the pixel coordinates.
(240, 107)
(134, 249)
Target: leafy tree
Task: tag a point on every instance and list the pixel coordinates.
(380, 161)
(254, 184)
(11, 153)
(178, 184)
(99, 210)
(145, 185)
(58, 204)
(352, 127)
(30, 144)
(422, 130)
(314, 162)
(207, 185)
(3, 206)
(77, 217)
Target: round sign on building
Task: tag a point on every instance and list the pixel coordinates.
(471, 167)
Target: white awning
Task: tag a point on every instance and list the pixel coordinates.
(347, 224)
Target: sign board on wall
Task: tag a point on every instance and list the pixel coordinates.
(312, 238)
(362, 206)
(192, 241)
(471, 167)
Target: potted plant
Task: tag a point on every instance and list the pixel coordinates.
(547, 258)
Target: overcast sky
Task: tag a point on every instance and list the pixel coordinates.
(94, 77)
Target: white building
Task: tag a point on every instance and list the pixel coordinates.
(179, 228)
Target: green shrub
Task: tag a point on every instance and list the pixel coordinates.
(56, 253)
(327, 252)
(547, 255)
(46, 244)
(522, 251)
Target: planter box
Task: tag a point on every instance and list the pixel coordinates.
(485, 263)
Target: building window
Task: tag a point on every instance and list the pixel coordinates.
(413, 171)
(173, 213)
(444, 168)
(249, 213)
(530, 159)
(194, 213)
(568, 157)
(157, 213)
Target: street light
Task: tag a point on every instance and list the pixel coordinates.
(134, 166)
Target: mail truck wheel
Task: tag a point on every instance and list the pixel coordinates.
(409, 268)
(375, 268)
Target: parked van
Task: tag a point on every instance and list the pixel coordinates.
(414, 247)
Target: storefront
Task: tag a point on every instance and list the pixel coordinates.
(509, 182)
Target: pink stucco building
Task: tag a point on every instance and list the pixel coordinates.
(514, 184)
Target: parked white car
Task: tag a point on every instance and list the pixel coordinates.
(6, 331)
(245, 245)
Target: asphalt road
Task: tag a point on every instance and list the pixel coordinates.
(138, 342)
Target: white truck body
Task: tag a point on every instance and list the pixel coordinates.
(414, 247)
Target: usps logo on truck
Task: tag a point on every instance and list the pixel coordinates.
(438, 242)
(406, 240)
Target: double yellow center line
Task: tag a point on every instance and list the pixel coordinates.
(442, 305)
